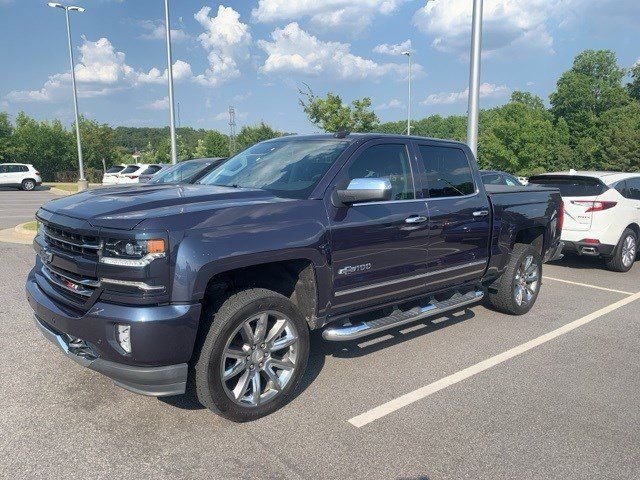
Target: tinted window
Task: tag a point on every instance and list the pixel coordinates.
(16, 168)
(3, 169)
(633, 187)
(493, 179)
(287, 168)
(182, 172)
(511, 180)
(448, 172)
(152, 169)
(130, 169)
(114, 169)
(571, 186)
(386, 161)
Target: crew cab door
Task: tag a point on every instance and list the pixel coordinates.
(459, 212)
(378, 249)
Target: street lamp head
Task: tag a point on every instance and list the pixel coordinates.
(55, 5)
(407, 53)
(76, 9)
(63, 7)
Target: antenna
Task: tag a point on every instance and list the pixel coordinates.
(232, 130)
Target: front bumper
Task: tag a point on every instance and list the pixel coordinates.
(162, 340)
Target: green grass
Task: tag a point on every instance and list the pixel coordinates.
(32, 226)
(69, 187)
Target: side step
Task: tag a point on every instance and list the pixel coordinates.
(363, 329)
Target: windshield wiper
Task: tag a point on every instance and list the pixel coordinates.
(227, 186)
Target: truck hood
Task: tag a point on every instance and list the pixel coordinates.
(126, 207)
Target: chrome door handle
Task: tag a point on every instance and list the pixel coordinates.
(481, 213)
(416, 219)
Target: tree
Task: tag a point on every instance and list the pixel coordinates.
(528, 99)
(97, 144)
(332, 116)
(250, 135)
(634, 86)
(6, 130)
(213, 144)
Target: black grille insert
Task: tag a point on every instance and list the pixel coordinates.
(71, 242)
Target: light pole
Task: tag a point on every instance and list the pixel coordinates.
(408, 54)
(82, 182)
(474, 77)
(172, 113)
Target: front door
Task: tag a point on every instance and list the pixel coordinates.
(460, 216)
(378, 249)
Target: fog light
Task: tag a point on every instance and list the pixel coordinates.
(123, 335)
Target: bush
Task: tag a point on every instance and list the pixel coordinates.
(93, 175)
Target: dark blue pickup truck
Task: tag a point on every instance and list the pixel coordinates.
(216, 286)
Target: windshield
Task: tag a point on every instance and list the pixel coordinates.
(180, 173)
(114, 169)
(571, 186)
(130, 169)
(286, 168)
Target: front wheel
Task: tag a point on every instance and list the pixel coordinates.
(516, 291)
(253, 356)
(28, 185)
(625, 252)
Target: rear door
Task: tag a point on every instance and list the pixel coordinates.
(378, 249)
(459, 213)
(3, 175)
(633, 189)
(578, 194)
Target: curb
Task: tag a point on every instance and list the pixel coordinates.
(59, 192)
(17, 234)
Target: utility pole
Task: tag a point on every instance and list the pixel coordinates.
(408, 54)
(474, 77)
(172, 113)
(232, 130)
(82, 182)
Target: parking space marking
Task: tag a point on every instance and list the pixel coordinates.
(587, 285)
(423, 392)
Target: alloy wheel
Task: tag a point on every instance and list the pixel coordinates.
(629, 251)
(526, 281)
(259, 359)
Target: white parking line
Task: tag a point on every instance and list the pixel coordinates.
(423, 392)
(587, 285)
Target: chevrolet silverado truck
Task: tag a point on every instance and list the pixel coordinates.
(213, 288)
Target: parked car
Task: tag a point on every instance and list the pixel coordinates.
(351, 233)
(19, 175)
(145, 177)
(132, 173)
(602, 214)
(110, 177)
(523, 181)
(189, 171)
(495, 177)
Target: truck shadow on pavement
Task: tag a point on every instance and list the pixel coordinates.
(580, 262)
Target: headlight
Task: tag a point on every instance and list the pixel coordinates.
(132, 253)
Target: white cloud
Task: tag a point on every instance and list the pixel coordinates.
(292, 50)
(154, 30)
(505, 23)
(352, 14)
(395, 50)
(227, 41)
(181, 71)
(101, 63)
(487, 90)
(160, 104)
(392, 104)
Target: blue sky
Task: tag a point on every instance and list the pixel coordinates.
(254, 54)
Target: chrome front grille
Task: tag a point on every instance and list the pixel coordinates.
(69, 241)
(70, 283)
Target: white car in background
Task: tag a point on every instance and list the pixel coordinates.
(19, 175)
(602, 214)
(110, 177)
(131, 174)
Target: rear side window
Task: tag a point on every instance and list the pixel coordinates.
(386, 161)
(492, 179)
(114, 169)
(571, 186)
(130, 169)
(16, 168)
(448, 172)
(633, 188)
(153, 169)
(3, 169)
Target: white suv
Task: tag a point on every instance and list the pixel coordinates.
(110, 177)
(132, 173)
(602, 214)
(19, 175)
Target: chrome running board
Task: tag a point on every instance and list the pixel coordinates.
(363, 329)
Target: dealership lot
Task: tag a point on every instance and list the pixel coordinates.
(18, 207)
(566, 408)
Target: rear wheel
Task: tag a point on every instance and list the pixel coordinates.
(28, 185)
(625, 252)
(516, 291)
(253, 356)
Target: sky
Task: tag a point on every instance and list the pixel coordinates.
(256, 54)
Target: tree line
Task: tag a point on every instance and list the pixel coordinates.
(593, 123)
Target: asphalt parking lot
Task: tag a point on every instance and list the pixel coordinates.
(18, 207)
(472, 395)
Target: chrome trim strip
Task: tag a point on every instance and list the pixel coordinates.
(139, 285)
(79, 245)
(406, 279)
(80, 281)
(82, 292)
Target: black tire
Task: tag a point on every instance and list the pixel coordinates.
(502, 294)
(28, 185)
(617, 261)
(224, 321)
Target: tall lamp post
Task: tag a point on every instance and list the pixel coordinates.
(474, 77)
(82, 182)
(172, 113)
(408, 54)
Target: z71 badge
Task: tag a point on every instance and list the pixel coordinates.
(354, 268)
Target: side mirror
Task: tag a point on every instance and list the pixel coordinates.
(361, 190)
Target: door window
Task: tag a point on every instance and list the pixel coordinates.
(633, 188)
(16, 168)
(3, 169)
(386, 161)
(448, 172)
